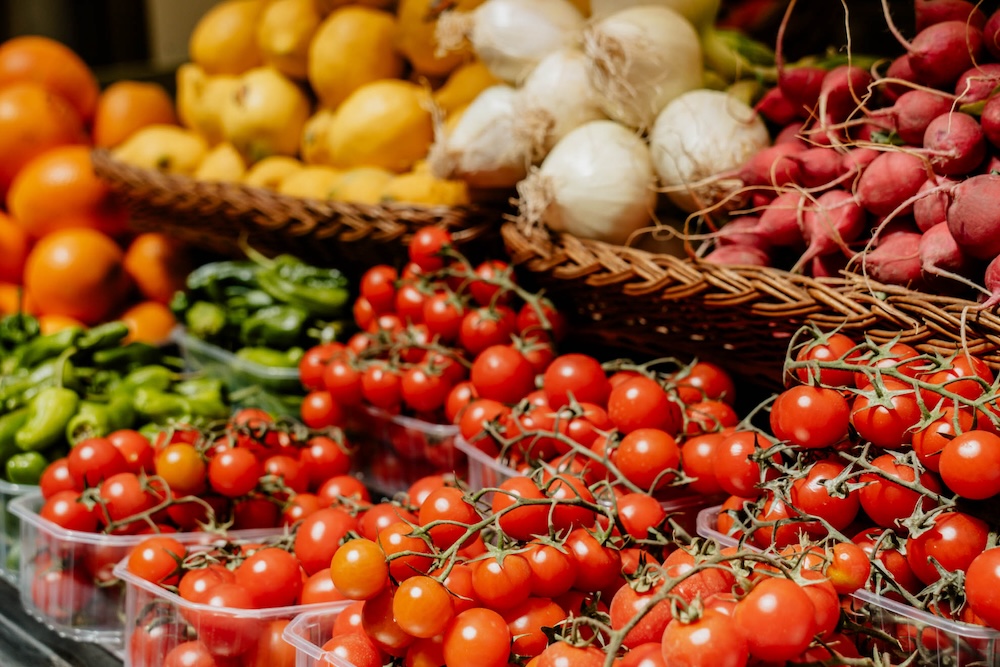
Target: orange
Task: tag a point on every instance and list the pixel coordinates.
(127, 106)
(53, 323)
(158, 265)
(148, 322)
(33, 120)
(58, 190)
(13, 250)
(77, 273)
(13, 299)
(53, 65)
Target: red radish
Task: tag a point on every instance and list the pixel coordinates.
(991, 280)
(990, 121)
(830, 224)
(956, 143)
(991, 166)
(792, 133)
(941, 52)
(742, 231)
(819, 166)
(901, 69)
(772, 166)
(974, 216)
(779, 223)
(843, 89)
(940, 256)
(929, 12)
(900, 224)
(932, 209)
(857, 159)
(828, 266)
(977, 84)
(738, 255)
(895, 260)
(991, 34)
(890, 179)
(914, 111)
(802, 85)
(776, 108)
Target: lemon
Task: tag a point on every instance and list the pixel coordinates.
(421, 187)
(284, 33)
(313, 146)
(265, 115)
(224, 41)
(382, 124)
(311, 182)
(200, 98)
(363, 185)
(167, 148)
(416, 39)
(269, 172)
(222, 163)
(353, 46)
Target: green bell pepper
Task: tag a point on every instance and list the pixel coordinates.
(151, 377)
(321, 292)
(90, 421)
(275, 326)
(205, 320)
(212, 278)
(48, 414)
(159, 406)
(25, 468)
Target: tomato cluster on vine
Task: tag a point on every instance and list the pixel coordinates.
(887, 450)
(420, 330)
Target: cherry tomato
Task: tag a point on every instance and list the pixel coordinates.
(887, 502)
(458, 399)
(982, 586)
(872, 542)
(964, 375)
(354, 648)
(196, 583)
(381, 626)
(887, 423)
(954, 541)
(849, 568)
(381, 386)
(527, 622)
(317, 538)
(443, 313)
(426, 246)
(645, 455)
(479, 412)
(67, 510)
(183, 469)
(487, 286)
(501, 583)
(714, 640)
(577, 375)
(234, 472)
(136, 448)
(639, 513)
(698, 462)
(502, 374)
(776, 618)
(932, 438)
(157, 559)
(124, 496)
(598, 566)
(530, 324)
(378, 286)
(314, 361)
(553, 571)
(897, 357)
(643, 403)
(486, 326)
(628, 603)
(398, 538)
(970, 465)
(477, 637)
(190, 654)
(323, 458)
(343, 381)
(93, 460)
(272, 576)
(811, 495)
(827, 348)
(735, 471)
(424, 389)
(410, 300)
(363, 313)
(560, 653)
(705, 381)
(810, 417)
(225, 635)
(453, 515)
(359, 569)
(56, 477)
(422, 607)
(319, 410)
(151, 642)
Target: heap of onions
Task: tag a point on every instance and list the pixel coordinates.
(596, 183)
(512, 36)
(555, 99)
(482, 148)
(641, 58)
(700, 136)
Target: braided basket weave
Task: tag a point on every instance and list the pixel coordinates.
(215, 215)
(744, 316)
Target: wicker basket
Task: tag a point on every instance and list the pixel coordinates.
(214, 215)
(743, 317)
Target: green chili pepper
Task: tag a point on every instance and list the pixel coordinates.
(249, 300)
(212, 278)
(46, 347)
(90, 421)
(197, 386)
(274, 326)
(43, 376)
(205, 396)
(266, 356)
(152, 377)
(49, 413)
(17, 329)
(10, 424)
(205, 320)
(130, 354)
(159, 406)
(321, 292)
(121, 412)
(103, 336)
(26, 468)
(179, 303)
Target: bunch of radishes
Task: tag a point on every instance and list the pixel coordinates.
(892, 172)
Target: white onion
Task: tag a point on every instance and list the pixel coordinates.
(640, 59)
(701, 13)
(481, 148)
(700, 135)
(596, 183)
(512, 36)
(555, 98)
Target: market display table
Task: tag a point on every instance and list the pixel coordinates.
(26, 643)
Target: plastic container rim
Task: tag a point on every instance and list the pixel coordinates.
(293, 635)
(186, 341)
(12, 489)
(440, 431)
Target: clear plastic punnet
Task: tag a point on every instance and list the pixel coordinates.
(158, 620)
(10, 538)
(908, 633)
(308, 632)
(66, 577)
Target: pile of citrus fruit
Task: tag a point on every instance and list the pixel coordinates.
(66, 252)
